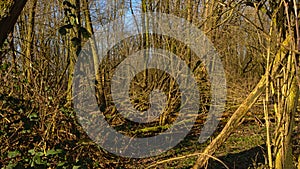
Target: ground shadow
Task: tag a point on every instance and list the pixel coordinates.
(242, 160)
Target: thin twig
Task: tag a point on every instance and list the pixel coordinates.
(187, 156)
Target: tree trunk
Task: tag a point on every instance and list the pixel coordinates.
(7, 23)
(75, 50)
(99, 84)
(29, 41)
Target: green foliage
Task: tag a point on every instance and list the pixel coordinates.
(68, 26)
(5, 66)
(75, 41)
(85, 33)
(69, 4)
(13, 154)
(36, 159)
(71, 21)
(53, 152)
(62, 30)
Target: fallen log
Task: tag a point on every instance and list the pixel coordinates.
(236, 118)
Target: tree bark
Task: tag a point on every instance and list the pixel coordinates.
(7, 23)
(92, 41)
(29, 41)
(75, 50)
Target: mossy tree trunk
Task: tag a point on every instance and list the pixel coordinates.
(29, 41)
(75, 49)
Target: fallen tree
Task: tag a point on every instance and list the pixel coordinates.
(236, 118)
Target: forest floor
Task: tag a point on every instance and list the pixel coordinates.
(244, 149)
(61, 143)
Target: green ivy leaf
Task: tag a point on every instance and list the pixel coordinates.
(4, 66)
(85, 33)
(61, 164)
(67, 11)
(12, 154)
(75, 41)
(11, 165)
(38, 160)
(62, 30)
(53, 152)
(69, 4)
(31, 151)
(68, 26)
(40, 153)
(33, 116)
